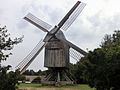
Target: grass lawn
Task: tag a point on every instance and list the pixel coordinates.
(40, 87)
(22, 85)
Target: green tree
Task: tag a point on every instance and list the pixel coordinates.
(76, 72)
(102, 66)
(9, 80)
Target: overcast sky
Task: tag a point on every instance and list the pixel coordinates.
(98, 18)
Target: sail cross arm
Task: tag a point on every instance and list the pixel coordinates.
(37, 22)
(72, 45)
(73, 16)
(22, 66)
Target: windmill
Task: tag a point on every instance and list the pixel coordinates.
(57, 47)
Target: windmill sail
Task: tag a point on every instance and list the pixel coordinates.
(76, 48)
(37, 22)
(72, 45)
(29, 58)
(54, 31)
(75, 54)
(73, 16)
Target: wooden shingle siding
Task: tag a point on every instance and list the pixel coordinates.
(56, 54)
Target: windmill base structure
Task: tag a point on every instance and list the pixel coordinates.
(57, 48)
(58, 76)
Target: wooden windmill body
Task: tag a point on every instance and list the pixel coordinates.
(57, 61)
(57, 48)
(56, 53)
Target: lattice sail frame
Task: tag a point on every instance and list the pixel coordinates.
(73, 16)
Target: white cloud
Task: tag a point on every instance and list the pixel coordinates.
(98, 18)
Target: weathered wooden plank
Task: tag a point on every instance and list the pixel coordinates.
(56, 54)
